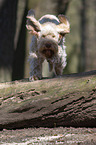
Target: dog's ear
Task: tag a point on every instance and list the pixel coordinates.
(32, 24)
(64, 26)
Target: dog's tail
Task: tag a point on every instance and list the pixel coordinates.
(31, 13)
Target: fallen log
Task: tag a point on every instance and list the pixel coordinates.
(69, 100)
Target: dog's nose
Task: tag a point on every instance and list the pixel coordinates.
(48, 45)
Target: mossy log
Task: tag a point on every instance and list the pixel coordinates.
(69, 100)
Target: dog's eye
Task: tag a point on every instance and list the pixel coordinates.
(43, 36)
(53, 36)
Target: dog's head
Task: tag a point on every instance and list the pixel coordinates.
(49, 30)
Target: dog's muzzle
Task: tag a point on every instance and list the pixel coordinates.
(48, 50)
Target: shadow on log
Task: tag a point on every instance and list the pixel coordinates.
(69, 100)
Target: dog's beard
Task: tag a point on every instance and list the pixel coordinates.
(48, 48)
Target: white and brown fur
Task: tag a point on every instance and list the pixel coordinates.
(48, 36)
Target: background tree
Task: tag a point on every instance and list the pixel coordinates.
(12, 39)
(62, 6)
(8, 14)
(88, 35)
(20, 41)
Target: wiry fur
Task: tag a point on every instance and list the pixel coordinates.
(47, 43)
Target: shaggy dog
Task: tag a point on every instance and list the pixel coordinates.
(48, 36)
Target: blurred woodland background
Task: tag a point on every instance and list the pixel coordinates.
(15, 40)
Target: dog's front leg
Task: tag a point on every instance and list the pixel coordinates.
(61, 63)
(35, 67)
(58, 69)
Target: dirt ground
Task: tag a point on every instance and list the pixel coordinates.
(46, 136)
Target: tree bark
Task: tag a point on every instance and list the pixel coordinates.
(88, 33)
(62, 6)
(8, 13)
(20, 42)
(69, 100)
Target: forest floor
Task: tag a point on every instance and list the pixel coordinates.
(46, 136)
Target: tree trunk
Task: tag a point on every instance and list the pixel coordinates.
(62, 6)
(88, 52)
(8, 10)
(65, 101)
(20, 42)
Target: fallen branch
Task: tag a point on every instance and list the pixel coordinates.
(66, 101)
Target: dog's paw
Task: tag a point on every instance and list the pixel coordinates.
(33, 78)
